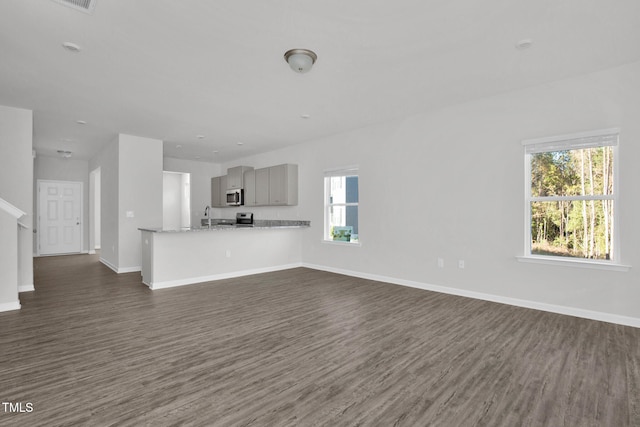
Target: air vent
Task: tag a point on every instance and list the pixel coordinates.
(85, 6)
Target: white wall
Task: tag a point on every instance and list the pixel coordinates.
(140, 192)
(176, 202)
(131, 181)
(60, 169)
(16, 180)
(8, 262)
(96, 214)
(201, 174)
(459, 173)
(107, 161)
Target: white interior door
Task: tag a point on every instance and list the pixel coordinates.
(60, 217)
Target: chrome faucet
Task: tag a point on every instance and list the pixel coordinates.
(207, 212)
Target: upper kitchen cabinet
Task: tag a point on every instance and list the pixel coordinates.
(219, 192)
(235, 177)
(283, 185)
(250, 188)
(262, 187)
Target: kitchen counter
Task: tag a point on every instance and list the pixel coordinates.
(258, 224)
(202, 254)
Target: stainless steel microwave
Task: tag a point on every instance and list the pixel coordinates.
(235, 197)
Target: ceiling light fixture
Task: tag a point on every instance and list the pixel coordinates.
(240, 143)
(300, 60)
(81, 122)
(524, 44)
(71, 47)
(304, 116)
(64, 153)
(200, 136)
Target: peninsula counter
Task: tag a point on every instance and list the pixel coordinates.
(201, 254)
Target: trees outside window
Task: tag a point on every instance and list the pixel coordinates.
(571, 196)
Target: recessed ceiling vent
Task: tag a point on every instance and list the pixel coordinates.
(85, 6)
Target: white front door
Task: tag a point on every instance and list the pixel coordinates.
(60, 217)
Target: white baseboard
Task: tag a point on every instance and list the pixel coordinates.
(213, 277)
(120, 269)
(92, 252)
(108, 264)
(26, 288)
(559, 309)
(129, 269)
(10, 306)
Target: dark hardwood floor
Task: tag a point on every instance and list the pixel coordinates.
(302, 347)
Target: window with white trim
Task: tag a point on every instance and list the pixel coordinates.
(570, 195)
(341, 205)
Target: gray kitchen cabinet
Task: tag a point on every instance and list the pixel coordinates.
(262, 187)
(219, 192)
(235, 177)
(283, 185)
(250, 188)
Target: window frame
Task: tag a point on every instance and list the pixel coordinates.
(327, 205)
(571, 142)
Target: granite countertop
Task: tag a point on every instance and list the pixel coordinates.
(226, 225)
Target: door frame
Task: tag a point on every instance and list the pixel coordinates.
(58, 181)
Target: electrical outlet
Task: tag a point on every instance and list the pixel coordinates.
(441, 262)
(461, 263)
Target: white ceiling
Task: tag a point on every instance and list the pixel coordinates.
(173, 70)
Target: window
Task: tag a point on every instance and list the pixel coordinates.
(341, 206)
(571, 197)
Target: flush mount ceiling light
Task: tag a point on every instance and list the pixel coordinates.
(71, 47)
(524, 44)
(81, 122)
(300, 60)
(64, 153)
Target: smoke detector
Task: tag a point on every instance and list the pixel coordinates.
(85, 6)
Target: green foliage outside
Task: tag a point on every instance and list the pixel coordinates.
(572, 227)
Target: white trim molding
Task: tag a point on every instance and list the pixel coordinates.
(552, 308)
(108, 264)
(120, 269)
(573, 262)
(10, 306)
(10, 209)
(26, 288)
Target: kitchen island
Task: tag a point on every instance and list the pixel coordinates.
(201, 254)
